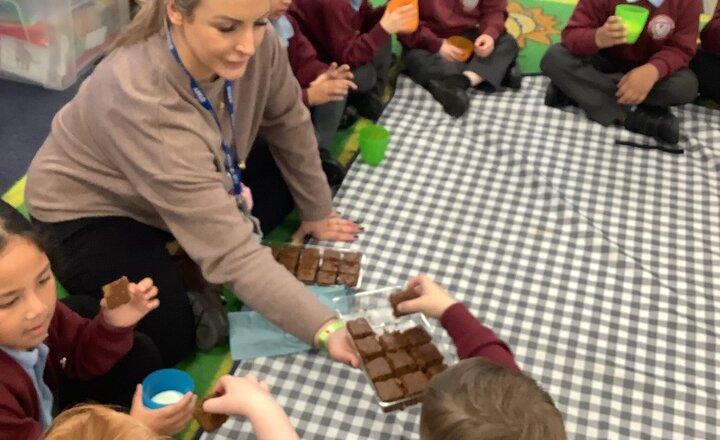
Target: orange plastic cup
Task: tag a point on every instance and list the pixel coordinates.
(467, 46)
(415, 22)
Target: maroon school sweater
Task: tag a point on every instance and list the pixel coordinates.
(668, 42)
(79, 349)
(440, 19)
(710, 35)
(303, 59)
(338, 32)
(472, 339)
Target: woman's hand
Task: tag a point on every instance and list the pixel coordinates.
(143, 300)
(331, 228)
(339, 348)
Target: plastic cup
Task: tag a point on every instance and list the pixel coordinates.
(467, 46)
(413, 24)
(374, 140)
(162, 386)
(634, 18)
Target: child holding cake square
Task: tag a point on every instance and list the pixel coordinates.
(512, 405)
(52, 357)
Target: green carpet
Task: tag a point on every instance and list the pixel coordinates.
(535, 24)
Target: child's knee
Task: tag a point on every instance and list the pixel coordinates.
(554, 59)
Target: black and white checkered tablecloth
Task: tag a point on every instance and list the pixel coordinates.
(599, 264)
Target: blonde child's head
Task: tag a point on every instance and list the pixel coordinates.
(479, 400)
(27, 284)
(93, 421)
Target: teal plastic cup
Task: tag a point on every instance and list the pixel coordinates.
(374, 140)
(166, 387)
(634, 18)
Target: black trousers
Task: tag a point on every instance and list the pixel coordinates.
(423, 66)
(92, 252)
(592, 83)
(706, 66)
(372, 77)
(117, 386)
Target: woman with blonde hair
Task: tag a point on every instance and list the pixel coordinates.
(152, 149)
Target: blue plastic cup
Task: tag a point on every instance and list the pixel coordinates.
(164, 381)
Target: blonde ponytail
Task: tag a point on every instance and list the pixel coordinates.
(149, 21)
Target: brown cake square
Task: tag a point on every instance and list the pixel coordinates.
(309, 259)
(347, 279)
(209, 421)
(414, 383)
(306, 275)
(330, 265)
(392, 341)
(291, 252)
(435, 370)
(351, 268)
(275, 251)
(117, 293)
(331, 255)
(401, 362)
(368, 348)
(388, 390)
(326, 278)
(426, 356)
(378, 369)
(400, 296)
(359, 328)
(417, 336)
(352, 257)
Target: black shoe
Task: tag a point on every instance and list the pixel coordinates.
(454, 100)
(513, 78)
(655, 122)
(334, 171)
(459, 81)
(554, 97)
(211, 321)
(349, 117)
(369, 106)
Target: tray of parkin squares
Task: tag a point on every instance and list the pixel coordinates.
(322, 266)
(398, 353)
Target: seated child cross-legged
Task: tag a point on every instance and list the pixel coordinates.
(630, 84)
(439, 66)
(485, 395)
(51, 357)
(706, 63)
(324, 87)
(355, 33)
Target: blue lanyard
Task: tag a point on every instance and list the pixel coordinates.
(231, 162)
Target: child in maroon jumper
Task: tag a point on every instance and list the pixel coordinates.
(47, 351)
(437, 65)
(631, 84)
(485, 395)
(352, 32)
(706, 63)
(324, 87)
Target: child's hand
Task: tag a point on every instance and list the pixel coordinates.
(249, 397)
(340, 72)
(612, 33)
(484, 45)
(165, 421)
(635, 85)
(448, 52)
(143, 300)
(240, 396)
(398, 20)
(324, 89)
(433, 300)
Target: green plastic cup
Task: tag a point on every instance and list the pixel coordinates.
(634, 18)
(374, 140)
